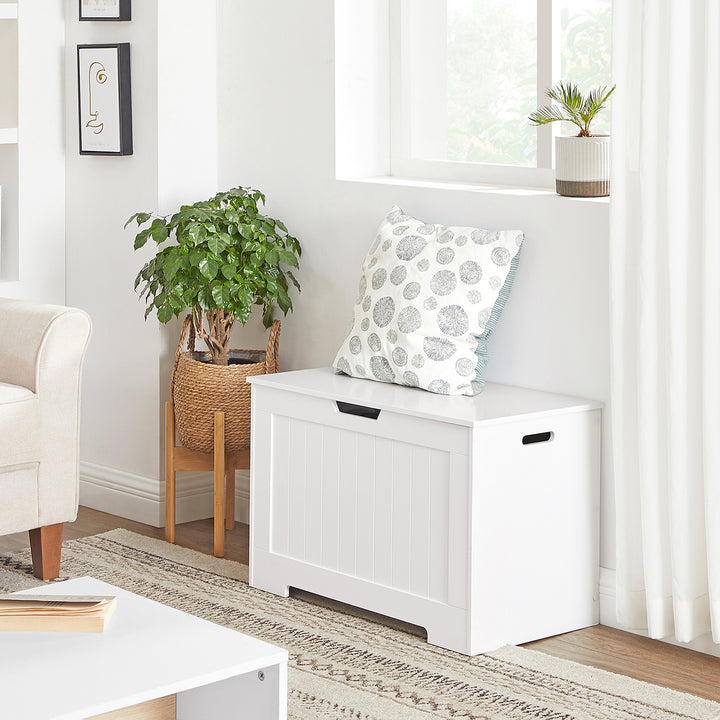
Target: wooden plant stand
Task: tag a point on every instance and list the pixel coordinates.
(223, 466)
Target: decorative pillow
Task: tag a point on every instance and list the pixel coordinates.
(429, 298)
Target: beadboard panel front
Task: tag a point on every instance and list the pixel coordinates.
(366, 506)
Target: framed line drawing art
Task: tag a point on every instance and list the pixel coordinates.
(104, 9)
(104, 100)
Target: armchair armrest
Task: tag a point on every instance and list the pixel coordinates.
(25, 328)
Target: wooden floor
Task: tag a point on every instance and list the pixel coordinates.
(599, 646)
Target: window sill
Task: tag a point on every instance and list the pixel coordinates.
(485, 188)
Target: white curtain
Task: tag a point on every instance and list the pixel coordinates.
(665, 315)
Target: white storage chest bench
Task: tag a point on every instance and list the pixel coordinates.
(476, 518)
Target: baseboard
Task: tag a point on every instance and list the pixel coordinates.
(608, 616)
(141, 498)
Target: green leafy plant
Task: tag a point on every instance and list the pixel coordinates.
(218, 257)
(571, 105)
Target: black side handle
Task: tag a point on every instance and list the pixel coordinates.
(359, 410)
(538, 438)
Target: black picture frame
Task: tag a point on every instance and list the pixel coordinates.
(117, 10)
(107, 111)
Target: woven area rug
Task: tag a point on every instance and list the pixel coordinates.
(345, 667)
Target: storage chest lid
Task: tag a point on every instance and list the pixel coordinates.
(496, 403)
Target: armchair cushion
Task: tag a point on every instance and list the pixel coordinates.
(14, 393)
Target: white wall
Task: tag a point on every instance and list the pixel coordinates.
(276, 132)
(129, 360)
(187, 102)
(120, 427)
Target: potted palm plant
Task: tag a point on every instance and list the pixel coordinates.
(582, 161)
(217, 258)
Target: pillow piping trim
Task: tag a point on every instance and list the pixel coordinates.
(481, 351)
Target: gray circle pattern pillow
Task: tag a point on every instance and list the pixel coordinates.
(428, 300)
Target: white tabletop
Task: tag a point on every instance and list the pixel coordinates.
(494, 404)
(148, 650)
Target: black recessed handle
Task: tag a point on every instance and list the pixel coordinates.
(538, 438)
(359, 410)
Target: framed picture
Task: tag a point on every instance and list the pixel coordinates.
(104, 9)
(105, 108)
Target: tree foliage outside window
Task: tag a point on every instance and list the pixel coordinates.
(585, 50)
(492, 72)
(491, 81)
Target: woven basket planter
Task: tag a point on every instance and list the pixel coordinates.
(200, 389)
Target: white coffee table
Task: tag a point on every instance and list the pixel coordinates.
(148, 651)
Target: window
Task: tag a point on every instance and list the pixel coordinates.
(465, 74)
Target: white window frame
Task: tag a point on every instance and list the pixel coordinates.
(403, 119)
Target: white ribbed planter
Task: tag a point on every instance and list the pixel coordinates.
(582, 166)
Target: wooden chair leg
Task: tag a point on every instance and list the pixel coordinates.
(169, 473)
(219, 488)
(229, 496)
(46, 546)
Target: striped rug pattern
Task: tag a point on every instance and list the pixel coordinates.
(344, 666)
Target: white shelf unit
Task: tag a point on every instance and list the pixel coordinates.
(9, 60)
(8, 11)
(32, 150)
(8, 136)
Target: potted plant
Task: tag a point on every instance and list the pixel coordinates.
(218, 258)
(582, 162)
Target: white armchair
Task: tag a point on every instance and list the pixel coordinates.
(41, 353)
